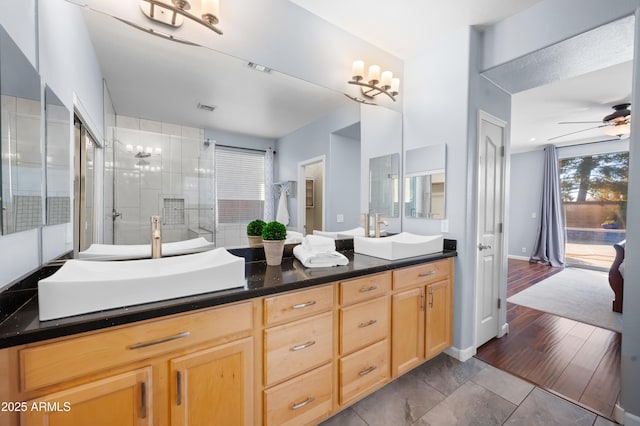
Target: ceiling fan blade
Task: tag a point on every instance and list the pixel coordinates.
(579, 131)
(579, 122)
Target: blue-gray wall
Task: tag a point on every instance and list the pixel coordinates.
(343, 183)
(525, 197)
(311, 141)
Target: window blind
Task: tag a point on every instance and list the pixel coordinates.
(240, 188)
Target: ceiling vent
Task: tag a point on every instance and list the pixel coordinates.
(206, 107)
(259, 67)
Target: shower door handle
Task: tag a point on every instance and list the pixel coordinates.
(115, 214)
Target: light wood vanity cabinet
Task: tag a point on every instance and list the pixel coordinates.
(421, 313)
(174, 371)
(298, 355)
(293, 358)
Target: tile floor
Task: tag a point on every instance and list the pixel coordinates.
(446, 392)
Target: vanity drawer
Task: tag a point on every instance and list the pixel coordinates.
(363, 370)
(300, 401)
(421, 274)
(68, 359)
(299, 304)
(298, 346)
(365, 288)
(363, 324)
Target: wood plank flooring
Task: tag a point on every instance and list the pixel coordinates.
(577, 361)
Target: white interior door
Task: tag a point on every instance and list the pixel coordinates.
(489, 241)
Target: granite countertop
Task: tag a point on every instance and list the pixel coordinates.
(20, 324)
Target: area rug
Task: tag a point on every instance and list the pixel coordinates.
(578, 294)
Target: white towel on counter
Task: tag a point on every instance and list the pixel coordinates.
(312, 259)
(293, 237)
(318, 244)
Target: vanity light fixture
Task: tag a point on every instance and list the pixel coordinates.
(172, 12)
(377, 82)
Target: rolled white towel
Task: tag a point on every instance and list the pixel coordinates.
(319, 260)
(318, 244)
(294, 237)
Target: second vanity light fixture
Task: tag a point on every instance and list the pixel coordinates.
(170, 12)
(376, 84)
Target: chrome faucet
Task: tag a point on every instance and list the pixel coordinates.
(377, 224)
(366, 221)
(156, 237)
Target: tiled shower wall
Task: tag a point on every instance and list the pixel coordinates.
(171, 182)
(21, 164)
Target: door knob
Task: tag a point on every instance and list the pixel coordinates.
(483, 247)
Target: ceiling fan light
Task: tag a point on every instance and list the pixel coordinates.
(618, 130)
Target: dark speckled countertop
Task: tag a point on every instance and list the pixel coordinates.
(21, 325)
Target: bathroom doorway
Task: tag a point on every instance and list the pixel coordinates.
(83, 186)
(311, 187)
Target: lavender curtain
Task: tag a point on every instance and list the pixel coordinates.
(549, 248)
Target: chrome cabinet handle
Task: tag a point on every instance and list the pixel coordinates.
(431, 299)
(367, 370)
(367, 324)
(303, 403)
(426, 274)
(303, 346)
(366, 289)
(304, 305)
(483, 247)
(157, 342)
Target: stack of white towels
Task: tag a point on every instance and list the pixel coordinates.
(319, 252)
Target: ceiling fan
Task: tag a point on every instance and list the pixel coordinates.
(617, 123)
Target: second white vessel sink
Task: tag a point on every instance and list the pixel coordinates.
(82, 286)
(142, 251)
(399, 246)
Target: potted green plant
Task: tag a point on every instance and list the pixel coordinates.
(254, 232)
(273, 236)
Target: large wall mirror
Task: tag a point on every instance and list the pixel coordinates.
(57, 148)
(170, 132)
(384, 185)
(20, 122)
(424, 186)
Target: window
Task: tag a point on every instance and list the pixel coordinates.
(239, 184)
(594, 196)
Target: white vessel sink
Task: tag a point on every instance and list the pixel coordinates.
(141, 251)
(83, 286)
(350, 233)
(398, 246)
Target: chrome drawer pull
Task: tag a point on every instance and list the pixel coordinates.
(303, 403)
(365, 289)
(367, 324)
(157, 342)
(426, 274)
(303, 346)
(304, 305)
(367, 370)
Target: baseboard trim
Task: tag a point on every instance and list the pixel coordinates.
(631, 420)
(618, 414)
(504, 329)
(513, 256)
(461, 354)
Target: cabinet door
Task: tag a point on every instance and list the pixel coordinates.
(407, 330)
(123, 400)
(438, 334)
(214, 386)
